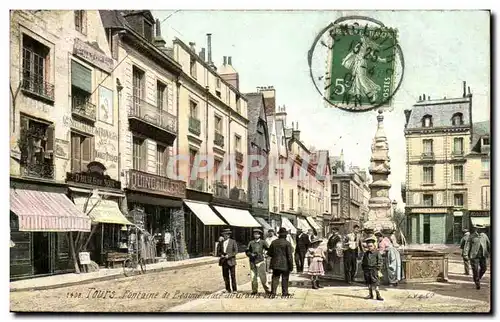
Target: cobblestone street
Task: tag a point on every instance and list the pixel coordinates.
(184, 288)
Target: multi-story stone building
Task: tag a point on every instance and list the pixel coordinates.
(147, 78)
(438, 137)
(477, 172)
(213, 134)
(258, 145)
(350, 195)
(64, 141)
(320, 160)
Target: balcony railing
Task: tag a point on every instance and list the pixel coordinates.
(38, 170)
(152, 114)
(427, 155)
(35, 84)
(152, 183)
(239, 157)
(197, 184)
(194, 125)
(83, 108)
(219, 139)
(220, 189)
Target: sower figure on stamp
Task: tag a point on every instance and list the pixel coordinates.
(281, 252)
(372, 264)
(255, 253)
(464, 256)
(352, 249)
(303, 243)
(226, 251)
(477, 250)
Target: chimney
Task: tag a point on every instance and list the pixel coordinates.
(158, 28)
(468, 89)
(297, 125)
(420, 98)
(407, 116)
(428, 98)
(158, 40)
(209, 45)
(202, 54)
(464, 88)
(192, 46)
(424, 97)
(224, 58)
(293, 126)
(229, 59)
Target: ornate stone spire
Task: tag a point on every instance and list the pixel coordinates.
(380, 212)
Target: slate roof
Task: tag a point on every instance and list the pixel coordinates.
(113, 19)
(270, 103)
(441, 111)
(479, 129)
(255, 108)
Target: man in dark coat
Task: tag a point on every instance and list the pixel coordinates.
(477, 250)
(303, 244)
(226, 251)
(280, 252)
(333, 252)
(255, 253)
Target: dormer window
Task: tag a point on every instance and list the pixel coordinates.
(486, 141)
(457, 119)
(148, 31)
(427, 121)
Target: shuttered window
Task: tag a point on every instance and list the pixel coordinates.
(138, 154)
(82, 151)
(81, 77)
(161, 160)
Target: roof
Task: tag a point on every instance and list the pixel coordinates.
(255, 108)
(270, 103)
(479, 129)
(226, 69)
(441, 112)
(113, 19)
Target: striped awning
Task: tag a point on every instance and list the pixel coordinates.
(288, 225)
(264, 223)
(303, 224)
(46, 211)
(101, 210)
(313, 223)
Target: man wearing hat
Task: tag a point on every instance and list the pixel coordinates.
(255, 253)
(372, 264)
(271, 236)
(226, 251)
(462, 247)
(303, 244)
(281, 252)
(477, 250)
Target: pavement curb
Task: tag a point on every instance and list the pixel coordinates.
(120, 275)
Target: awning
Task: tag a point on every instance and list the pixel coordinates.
(101, 192)
(264, 223)
(101, 210)
(204, 213)
(46, 211)
(314, 224)
(237, 217)
(482, 221)
(285, 223)
(302, 224)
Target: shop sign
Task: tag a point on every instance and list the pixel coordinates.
(93, 176)
(84, 258)
(92, 55)
(146, 182)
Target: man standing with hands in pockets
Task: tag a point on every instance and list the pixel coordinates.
(255, 252)
(226, 251)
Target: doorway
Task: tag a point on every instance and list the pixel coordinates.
(427, 229)
(41, 254)
(457, 229)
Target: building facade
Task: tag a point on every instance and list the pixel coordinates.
(438, 138)
(478, 176)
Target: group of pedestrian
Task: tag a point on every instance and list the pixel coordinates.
(476, 248)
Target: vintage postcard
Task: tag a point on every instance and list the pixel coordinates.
(250, 161)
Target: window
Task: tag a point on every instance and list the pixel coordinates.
(81, 152)
(428, 200)
(291, 198)
(161, 96)
(260, 190)
(37, 146)
(217, 87)
(485, 197)
(457, 119)
(81, 90)
(137, 88)
(239, 180)
(238, 105)
(35, 68)
(216, 168)
(161, 160)
(282, 199)
(458, 174)
(138, 154)
(193, 109)
(486, 141)
(192, 158)
(458, 199)
(485, 165)
(218, 124)
(427, 121)
(458, 146)
(81, 21)
(237, 143)
(275, 196)
(148, 30)
(427, 143)
(192, 66)
(428, 175)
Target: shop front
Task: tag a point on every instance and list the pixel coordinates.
(481, 218)
(317, 225)
(99, 197)
(43, 224)
(155, 206)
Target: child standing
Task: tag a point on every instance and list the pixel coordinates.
(372, 264)
(316, 269)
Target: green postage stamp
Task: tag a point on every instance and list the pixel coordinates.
(361, 71)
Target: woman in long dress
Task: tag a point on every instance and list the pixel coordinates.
(355, 62)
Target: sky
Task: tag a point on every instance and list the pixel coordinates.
(269, 48)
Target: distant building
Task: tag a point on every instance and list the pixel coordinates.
(478, 175)
(438, 139)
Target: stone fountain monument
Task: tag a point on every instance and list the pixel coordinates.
(380, 207)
